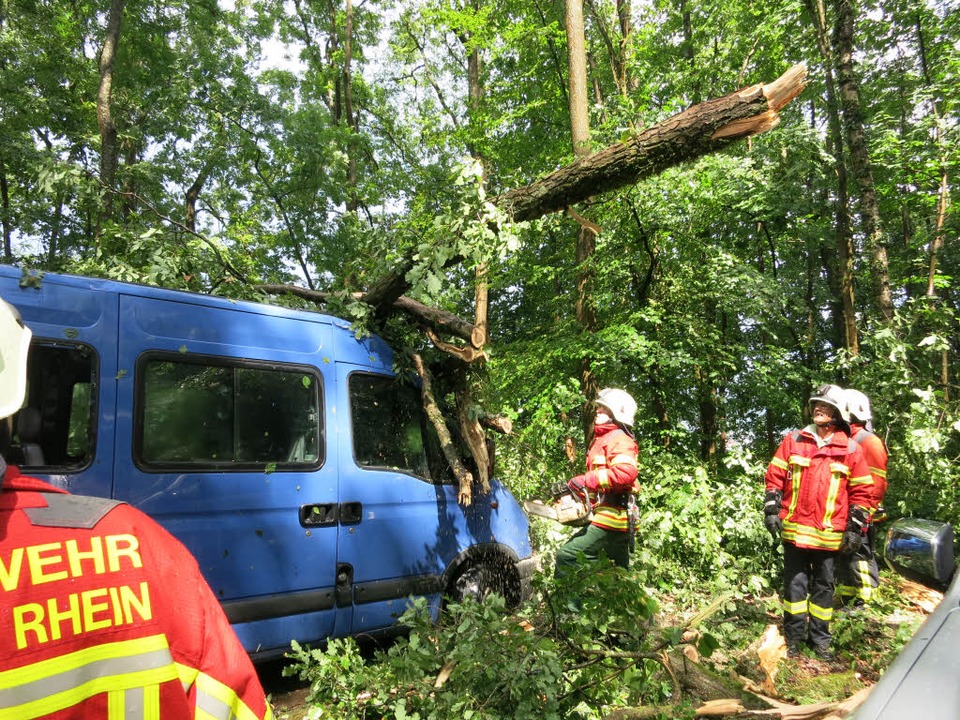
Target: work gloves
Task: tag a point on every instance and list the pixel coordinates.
(771, 513)
(856, 528)
(577, 486)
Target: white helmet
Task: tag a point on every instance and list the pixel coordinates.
(832, 395)
(858, 406)
(14, 344)
(619, 403)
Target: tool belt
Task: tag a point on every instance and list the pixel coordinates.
(617, 500)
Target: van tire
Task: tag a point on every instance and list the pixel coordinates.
(485, 576)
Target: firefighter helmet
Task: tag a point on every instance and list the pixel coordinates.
(621, 405)
(832, 395)
(14, 344)
(858, 406)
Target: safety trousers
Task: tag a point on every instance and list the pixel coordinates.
(807, 595)
(857, 573)
(592, 541)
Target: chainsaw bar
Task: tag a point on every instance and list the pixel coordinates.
(540, 509)
(566, 510)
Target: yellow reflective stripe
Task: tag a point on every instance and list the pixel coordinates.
(841, 468)
(141, 703)
(880, 472)
(795, 608)
(800, 460)
(602, 479)
(830, 507)
(58, 683)
(115, 705)
(862, 480)
(624, 459)
(779, 463)
(866, 582)
(795, 477)
(811, 537)
(216, 701)
(847, 591)
(825, 614)
(613, 518)
(151, 703)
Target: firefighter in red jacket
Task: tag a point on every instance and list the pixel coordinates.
(105, 614)
(858, 576)
(607, 484)
(818, 494)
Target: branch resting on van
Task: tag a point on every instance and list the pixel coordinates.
(436, 319)
(464, 477)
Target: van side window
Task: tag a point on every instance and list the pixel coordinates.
(55, 429)
(223, 415)
(387, 421)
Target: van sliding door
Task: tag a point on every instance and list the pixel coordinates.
(227, 432)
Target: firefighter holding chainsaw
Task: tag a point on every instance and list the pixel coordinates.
(607, 485)
(105, 614)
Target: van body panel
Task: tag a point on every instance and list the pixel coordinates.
(243, 527)
(276, 444)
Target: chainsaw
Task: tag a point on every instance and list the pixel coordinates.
(567, 509)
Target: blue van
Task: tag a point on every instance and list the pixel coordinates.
(282, 450)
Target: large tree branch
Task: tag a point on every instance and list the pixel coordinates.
(695, 132)
(700, 130)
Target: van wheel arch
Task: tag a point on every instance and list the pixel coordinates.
(481, 570)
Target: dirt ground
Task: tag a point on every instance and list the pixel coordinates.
(287, 694)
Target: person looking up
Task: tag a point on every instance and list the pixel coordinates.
(818, 493)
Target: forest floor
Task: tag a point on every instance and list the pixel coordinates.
(751, 651)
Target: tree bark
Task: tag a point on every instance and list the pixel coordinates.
(840, 276)
(352, 201)
(5, 214)
(109, 146)
(464, 478)
(586, 235)
(693, 133)
(860, 159)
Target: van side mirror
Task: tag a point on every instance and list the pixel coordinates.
(922, 551)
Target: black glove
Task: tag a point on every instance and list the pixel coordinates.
(856, 528)
(771, 513)
(578, 486)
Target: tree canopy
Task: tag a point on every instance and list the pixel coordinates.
(330, 145)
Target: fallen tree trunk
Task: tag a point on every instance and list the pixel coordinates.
(700, 130)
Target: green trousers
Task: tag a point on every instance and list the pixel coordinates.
(591, 541)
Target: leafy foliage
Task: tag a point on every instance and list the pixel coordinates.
(586, 645)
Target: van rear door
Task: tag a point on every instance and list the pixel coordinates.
(227, 433)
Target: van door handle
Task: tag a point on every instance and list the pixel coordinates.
(321, 515)
(351, 513)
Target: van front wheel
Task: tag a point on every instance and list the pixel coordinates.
(483, 578)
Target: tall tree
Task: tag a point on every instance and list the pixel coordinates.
(859, 156)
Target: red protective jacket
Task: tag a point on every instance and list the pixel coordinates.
(819, 484)
(611, 472)
(875, 453)
(106, 615)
